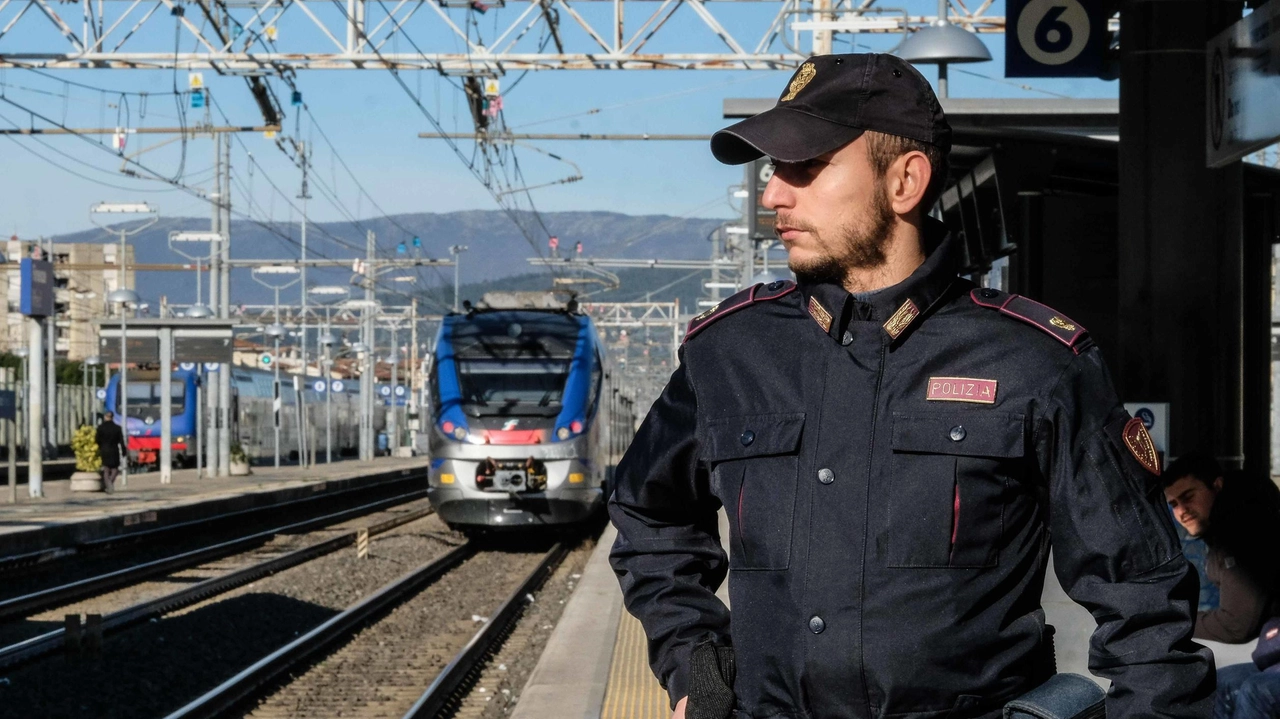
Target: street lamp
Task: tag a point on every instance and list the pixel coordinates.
(276, 330)
(328, 294)
(456, 250)
(191, 237)
(124, 298)
(149, 217)
(942, 43)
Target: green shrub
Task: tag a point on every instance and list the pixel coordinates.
(238, 454)
(85, 444)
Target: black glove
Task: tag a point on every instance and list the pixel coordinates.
(711, 683)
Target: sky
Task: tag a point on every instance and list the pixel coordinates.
(373, 124)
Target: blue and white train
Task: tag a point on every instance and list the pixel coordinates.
(524, 430)
(252, 417)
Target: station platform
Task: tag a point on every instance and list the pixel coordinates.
(64, 518)
(595, 665)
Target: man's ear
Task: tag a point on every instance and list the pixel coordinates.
(908, 181)
(1217, 484)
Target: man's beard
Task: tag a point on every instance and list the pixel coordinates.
(857, 245)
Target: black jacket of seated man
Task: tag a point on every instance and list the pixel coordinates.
(1242, 532)
(891, 503)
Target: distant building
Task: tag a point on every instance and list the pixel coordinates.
(84, 274)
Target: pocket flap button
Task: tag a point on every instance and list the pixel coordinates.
(747, 438)
(816, 625)
(957, 433)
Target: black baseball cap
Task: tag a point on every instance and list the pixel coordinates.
(829, 102)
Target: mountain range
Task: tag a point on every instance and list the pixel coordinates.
(496, 256)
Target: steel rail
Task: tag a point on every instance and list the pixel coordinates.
(19, 561)
(51, 641)
(474, 654)
(244, 685)
(57, 596)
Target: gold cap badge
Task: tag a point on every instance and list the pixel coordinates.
(802, 78)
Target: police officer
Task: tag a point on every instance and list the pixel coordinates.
(894, 448)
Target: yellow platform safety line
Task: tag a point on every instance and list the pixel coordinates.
(633, 693)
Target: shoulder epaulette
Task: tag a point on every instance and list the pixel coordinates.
(1050, 321)
(751, 295)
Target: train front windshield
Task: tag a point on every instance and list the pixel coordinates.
(514, 363)
(146, 395)
(497, 387)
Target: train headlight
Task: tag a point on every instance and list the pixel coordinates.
(459, 433)
(563, 433)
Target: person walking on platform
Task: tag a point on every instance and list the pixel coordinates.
(894, 448)
(111, 447)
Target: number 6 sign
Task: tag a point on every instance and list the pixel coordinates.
(1055, 38)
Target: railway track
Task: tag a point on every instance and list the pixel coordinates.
(405, 650)
(276, 561)
(41, 560)
(60, 595)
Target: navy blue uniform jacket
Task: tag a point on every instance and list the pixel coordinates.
(888, 550)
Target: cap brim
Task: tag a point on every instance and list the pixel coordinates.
(783, 134)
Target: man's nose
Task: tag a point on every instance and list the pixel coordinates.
(777, 194)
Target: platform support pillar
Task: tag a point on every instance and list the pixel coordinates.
(1181, 272)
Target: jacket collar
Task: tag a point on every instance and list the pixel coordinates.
(895, 308)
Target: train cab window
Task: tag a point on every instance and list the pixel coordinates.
(512, 388)
(146, 395)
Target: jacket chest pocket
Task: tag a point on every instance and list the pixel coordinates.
(754, 465)
(950, 478)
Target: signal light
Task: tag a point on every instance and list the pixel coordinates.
(575, 427)
(447, 427)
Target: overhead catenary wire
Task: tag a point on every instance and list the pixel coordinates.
(176, 184)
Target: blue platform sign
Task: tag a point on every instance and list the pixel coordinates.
(8, 404)
(36, 299)
(1056, 38)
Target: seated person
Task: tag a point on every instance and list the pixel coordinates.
(1252, 691)
(1239, 519)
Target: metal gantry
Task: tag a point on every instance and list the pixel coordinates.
(267, 37)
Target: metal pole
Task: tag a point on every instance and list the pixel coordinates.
(214, 440)
(35, 410)
(366, 374)
(224, 376)
(328, 410)
(303, 424)
(166, 405)
(51, 374)
(275, 364)
(124, 392)
(393, 414)
(13, 457)
(199, 439)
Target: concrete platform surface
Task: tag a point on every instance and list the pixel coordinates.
(64, 517)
